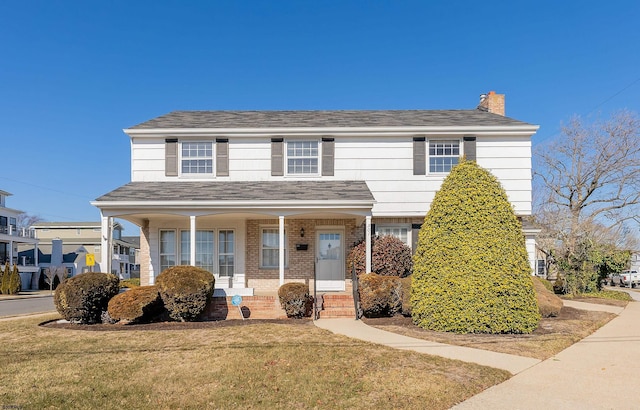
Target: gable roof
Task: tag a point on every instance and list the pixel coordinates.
(320, 119)
(242, 191)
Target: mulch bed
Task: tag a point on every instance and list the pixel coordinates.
(55, 324)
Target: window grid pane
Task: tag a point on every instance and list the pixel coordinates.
(225, 252)
(270, 248)
(167, 249)
(443, 155)
(197, 158)
(302, 157)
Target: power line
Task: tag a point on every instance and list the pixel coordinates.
(47, 188)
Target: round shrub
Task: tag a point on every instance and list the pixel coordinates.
(379, 295)
(139, 304)
(549, 305)
(185, 291)
(389, 257)
(83, 298)
(295, 299)
(471, 272)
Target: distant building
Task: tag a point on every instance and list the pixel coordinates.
(83, 238)
(13, 237)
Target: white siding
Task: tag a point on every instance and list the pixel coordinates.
(385, 163)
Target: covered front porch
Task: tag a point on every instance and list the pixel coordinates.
(252, 246)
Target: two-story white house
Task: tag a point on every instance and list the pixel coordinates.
(260, 198)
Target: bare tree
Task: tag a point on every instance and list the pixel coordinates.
(25, 220)
(590, 179)
(55, 271)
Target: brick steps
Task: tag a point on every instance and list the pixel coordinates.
(337, 306)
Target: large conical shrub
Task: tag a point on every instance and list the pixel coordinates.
(471, 272)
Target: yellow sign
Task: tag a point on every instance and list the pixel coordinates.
(90, 259)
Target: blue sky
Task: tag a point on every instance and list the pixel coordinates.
(73, 74)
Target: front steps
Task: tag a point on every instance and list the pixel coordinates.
(337, 305)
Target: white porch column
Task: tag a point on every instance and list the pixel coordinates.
(192, 240)
(367, 240)
(105, 244)
(281, 248)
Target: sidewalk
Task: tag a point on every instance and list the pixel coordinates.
(602, 371)
(28, 294)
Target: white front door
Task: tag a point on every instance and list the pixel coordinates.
(330, 260)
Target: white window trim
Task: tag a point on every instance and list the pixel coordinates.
(286, 158)
(286, 248)
(176, 253)
(401, 226)
(217, 250)
(189, 175)
(428, 154)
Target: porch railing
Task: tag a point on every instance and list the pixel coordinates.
(20, 232)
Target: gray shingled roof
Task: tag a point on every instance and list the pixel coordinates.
(241, 191)
(347, 118)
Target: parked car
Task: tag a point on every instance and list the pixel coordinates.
(629, 277)
(613, 279)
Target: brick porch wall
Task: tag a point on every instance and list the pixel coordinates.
(253, 307)
(300, 263)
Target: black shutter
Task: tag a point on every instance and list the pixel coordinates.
(171, 157)
(277, 157)
(328, 153)
(470, 147)
(415, 231)
(419, 156)
(222, 157)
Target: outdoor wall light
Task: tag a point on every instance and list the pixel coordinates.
(302, 232)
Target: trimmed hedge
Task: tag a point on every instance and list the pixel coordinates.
(185, 291)
(83, 298)
(296, 300)
(380, 296)
(471, 272)
(139, 304)
(549, 305)
(405, 284)
(389, 257)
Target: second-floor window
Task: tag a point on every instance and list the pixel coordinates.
(302, 157)
(443, 155)
(197, 158)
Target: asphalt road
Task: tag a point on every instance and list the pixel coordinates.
(13, 307)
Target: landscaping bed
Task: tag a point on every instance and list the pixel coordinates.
(553, 334)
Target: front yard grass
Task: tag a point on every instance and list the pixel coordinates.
(257, 365)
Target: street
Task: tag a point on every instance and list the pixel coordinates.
(13, 307)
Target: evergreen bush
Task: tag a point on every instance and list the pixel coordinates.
(389, 257)
(15, 283)
(83, 298)
(185, 291)
(139, 304)
(295, 299)
(4, 280)
(380, 296)
(471, 272)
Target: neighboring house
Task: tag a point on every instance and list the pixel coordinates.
(12, 237)
(269, 197)
(86, 238)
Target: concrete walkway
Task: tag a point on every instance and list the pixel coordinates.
(602, 371)
(357, 329)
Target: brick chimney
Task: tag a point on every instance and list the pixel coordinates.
(492, 102)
